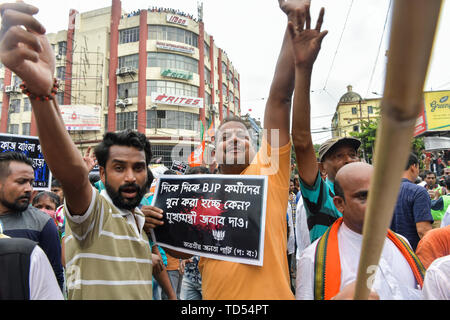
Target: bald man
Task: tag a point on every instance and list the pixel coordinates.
(399, 274)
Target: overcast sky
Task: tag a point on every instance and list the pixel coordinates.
(251, 31)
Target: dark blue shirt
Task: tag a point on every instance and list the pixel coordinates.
(413, 206)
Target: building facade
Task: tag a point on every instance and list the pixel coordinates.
(153, 70)
(351, 111)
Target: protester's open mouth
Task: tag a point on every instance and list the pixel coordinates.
(129, 192)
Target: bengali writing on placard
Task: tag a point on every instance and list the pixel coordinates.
(218, 215)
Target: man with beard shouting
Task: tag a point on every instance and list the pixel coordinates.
(107, 251)
(19, 219)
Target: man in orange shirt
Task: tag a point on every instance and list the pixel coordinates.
(435, 244)
(236, 155)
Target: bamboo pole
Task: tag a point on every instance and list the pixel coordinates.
(412, 35)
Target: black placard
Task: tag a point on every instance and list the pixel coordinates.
(31, 147)
(215, 216)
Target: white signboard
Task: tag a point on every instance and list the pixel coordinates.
(81, 117)
(174, 47)
(174, 100)
(171, 18)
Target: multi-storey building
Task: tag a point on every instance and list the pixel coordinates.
(153, 70)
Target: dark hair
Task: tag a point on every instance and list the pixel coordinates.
(128, 138)
(233, 119)
(56, 183)
(197, 170)
(430, 172)
(338, 189)
(93, 178)
(52, 196)
(412, 160)
(169, 171)
(447, 181)
(7, 157)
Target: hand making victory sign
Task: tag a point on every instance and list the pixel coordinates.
(26, 51)
(306, 42)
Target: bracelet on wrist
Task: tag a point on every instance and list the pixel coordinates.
(32, 96)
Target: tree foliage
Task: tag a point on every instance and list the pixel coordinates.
(368, 134)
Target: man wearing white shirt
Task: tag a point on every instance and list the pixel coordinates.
(25, 272)
(437, 280)
(394, 278)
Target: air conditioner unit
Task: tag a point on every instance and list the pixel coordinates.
(127, 101)
(119, 102)
(225, 100)
(217, 91)
(12, 89)
(210, 85)
(58, 57)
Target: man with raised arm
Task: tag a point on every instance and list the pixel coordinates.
(107, 253)
(235, 155)
(334, 153)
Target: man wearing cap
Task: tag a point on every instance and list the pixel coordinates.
(318, 193)
(333, 154)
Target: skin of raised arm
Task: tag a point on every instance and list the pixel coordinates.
(306, 44)
(27, 52)
(278, 106)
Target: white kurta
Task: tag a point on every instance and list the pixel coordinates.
(394, 279)
(437, 280)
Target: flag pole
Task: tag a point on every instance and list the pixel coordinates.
(412, 34)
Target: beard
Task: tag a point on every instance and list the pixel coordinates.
(16, 205)
(125, 203)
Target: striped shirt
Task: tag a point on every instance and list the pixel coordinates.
(107, 253)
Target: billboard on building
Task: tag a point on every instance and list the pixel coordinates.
(81, 117)
(437, 110)
(176, 100)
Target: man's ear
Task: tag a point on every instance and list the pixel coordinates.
(323, 172)
(339, 203)
(102, 174)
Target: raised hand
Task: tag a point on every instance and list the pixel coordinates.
(290, 6)
(26, 51)
(306, 42)
(89, 159)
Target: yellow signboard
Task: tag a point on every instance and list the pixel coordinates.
(437, 110)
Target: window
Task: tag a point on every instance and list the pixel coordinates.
(165, 152)
(129, 61)
(16, 81)
(26, 105)
(106, 122)
(26, 129)
(236, 83)
(13, 128)
(60, 98)
(127, 90)
(126, 120)
(354, 111)
(171, 119)
(236, 102)
(355, 128)
(61, 73)
(173, 88)
(157, 32)
(62, 48)
(370, 109)
(224, 112)
(224, 90)
(129, 35)
(207, 75)
(14, 106)
(224, 68)
(172, 61)
(206, 47)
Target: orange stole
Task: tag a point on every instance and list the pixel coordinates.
(327, 266)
